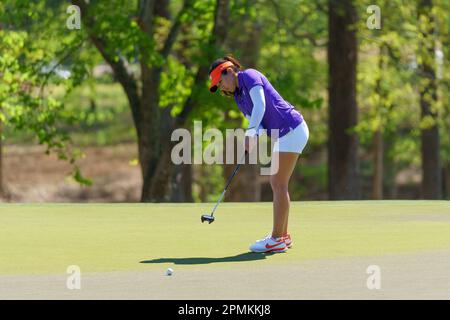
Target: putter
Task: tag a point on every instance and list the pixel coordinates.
(210, 218)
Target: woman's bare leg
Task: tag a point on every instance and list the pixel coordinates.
(283, 164)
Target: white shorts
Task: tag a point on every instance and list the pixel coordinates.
(294, 141)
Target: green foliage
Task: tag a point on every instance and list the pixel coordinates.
(389, 80)
(175, 86)
(59, 112)
(288, 46)
(31, 60)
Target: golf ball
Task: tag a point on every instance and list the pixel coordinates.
(169, 271)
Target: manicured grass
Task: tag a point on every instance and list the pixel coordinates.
(46, 238)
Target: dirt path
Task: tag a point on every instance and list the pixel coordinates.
(406, 276)
(33, 176)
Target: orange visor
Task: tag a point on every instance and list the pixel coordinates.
(216, 73)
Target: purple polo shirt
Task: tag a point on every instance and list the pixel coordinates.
(279, 113)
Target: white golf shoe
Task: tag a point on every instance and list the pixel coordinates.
(269, 244)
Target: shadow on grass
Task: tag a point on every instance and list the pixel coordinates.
(248, 256)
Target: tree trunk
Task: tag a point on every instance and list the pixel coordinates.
(389, 168)
(1, 148)
(156, 187)
(343, 163)
(150, 141)
(182, 178)
(186, 183)
(431, 167)
(377, 186)
(155, 121)
(447, 181)
(246, 184)
(201, 173)
(1, 160)
(153, 126)
(378, 166)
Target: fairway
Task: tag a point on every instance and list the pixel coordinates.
(119, 247)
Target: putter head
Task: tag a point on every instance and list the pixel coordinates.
(207, 217)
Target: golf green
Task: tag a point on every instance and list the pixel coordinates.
(47, 238)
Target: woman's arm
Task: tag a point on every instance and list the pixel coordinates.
(259, 107)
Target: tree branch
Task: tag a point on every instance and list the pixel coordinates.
(175, 29)
(293, 29)
(217, 37)
(145, 18)
(120, 71)
(63, 58)
(321, 7)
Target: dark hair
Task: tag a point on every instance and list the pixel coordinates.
(229, 57)
(236, 66)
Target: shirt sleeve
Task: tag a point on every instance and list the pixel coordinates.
(251, 78)
(259, 108)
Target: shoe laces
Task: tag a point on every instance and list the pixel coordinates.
(265, 238)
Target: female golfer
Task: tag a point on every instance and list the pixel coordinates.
(258, 100)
